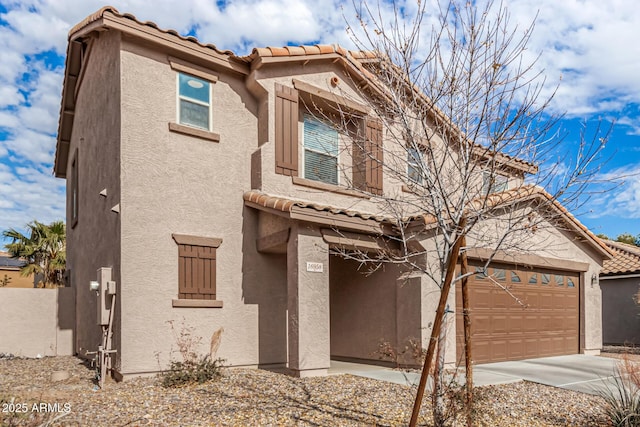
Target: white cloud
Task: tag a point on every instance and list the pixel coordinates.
(625, 200)
(588, 45)
(10, 96)
(25, 198)
(271, 22)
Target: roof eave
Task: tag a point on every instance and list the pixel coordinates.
(67, 108)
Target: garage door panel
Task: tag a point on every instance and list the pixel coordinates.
(481, 324)
(530, 323)
(498, 324)
(498, 350)
(481, 298)
(531, 347)
(557, 344)
(502, 300)
(481, 351)
(502, 329)
(545, 301)
(516, 349)
(570, 344)
(516, 324)
(557, 323)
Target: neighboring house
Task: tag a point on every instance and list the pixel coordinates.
(10, 272)
(620, 284)
(187, 177)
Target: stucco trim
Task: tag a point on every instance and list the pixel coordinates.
(196, 303)
(191, 131)
(184, 239)
(184, 67)
(623, 276)
(327, 187)
(346, 240)
(332, 220)
(329, 96)
(531, 260)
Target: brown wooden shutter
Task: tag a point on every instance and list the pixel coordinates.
(286, 130)
(196, 272)
(207, 282)
(187, 270)
(374, 159)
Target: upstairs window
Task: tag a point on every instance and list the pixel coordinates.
(414, 165)
(307, 149)
(321, 149)
(493, 183)
(194, 102)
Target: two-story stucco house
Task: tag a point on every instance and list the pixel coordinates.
(198, 178)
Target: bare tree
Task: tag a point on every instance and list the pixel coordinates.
(468, 135)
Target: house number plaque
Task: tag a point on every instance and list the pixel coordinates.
(315, 267)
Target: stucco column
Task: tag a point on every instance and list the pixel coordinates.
(591, 312)
(308, 302)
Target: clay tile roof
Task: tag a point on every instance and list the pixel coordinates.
(284, 204)
(326, 48)
(626, 259)
(297, 50)
(101, 13)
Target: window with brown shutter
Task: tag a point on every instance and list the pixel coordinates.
(373, 156)
(196, 266)
(320, 161)
(286, 127)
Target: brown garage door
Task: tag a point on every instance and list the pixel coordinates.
(540, 318)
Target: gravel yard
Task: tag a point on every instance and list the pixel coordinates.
(243, 397)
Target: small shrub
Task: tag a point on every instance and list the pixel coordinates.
(622, 400)
(411, 354)
(191, 371)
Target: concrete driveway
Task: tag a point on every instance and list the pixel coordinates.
(577, 372)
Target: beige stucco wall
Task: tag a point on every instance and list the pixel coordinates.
(620, 310)
(37, 322)
(173, 183)
(94, 241)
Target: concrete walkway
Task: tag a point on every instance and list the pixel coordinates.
(586, 374)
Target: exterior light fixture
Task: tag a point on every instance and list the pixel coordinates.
(594, 279)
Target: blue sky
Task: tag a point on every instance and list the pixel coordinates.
(591, 48)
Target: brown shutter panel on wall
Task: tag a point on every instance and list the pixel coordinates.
(286, 130)
(373, 147)
(187, 271)
(207, 286)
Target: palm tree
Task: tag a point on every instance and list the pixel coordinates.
(44, 250)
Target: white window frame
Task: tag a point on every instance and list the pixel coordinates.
(304, 151)
(179, 98)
